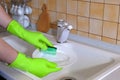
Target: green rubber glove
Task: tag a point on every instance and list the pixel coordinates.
(37, 66)
(35, 38)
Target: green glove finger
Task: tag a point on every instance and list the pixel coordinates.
(45, 40)
(51, 64)
(41, 45)
(54, 70)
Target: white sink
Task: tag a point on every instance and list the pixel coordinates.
(84, 62)
(89, 63)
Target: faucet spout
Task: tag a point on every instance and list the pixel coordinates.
(63, 32)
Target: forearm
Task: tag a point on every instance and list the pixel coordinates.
(7, 53)
(4, 18)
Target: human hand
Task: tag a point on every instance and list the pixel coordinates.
(35, 38)
(37, 66)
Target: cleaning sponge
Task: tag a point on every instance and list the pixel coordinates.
(50, 50)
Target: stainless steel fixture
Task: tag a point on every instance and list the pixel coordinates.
(63, 29)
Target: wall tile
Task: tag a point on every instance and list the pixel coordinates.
(83, 8)
(110, 29)
(96, 26)
(35, 3)
(96, 10)
(119, 15)
(99, 1)
(82, 0)
(29, 3)
(112, 1)
(111, 12)
(118, 42)
(118, 32)
(73, 31)
(33, 21)
(41, 2)
(94, 36)
(85, 34)
(62, 16)
(51, 5)
(71, 7)
(72, 19)
(108, 40)
(83, 24)
(52, 15)
(35, 13)
(62, 6)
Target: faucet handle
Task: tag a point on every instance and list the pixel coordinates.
(70, 27)
(60, 23)
(65, 24)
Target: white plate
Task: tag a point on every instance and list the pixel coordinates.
(60, 58)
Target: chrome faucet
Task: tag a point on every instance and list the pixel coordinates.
(63, 29)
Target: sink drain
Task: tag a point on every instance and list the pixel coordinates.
(67, 78)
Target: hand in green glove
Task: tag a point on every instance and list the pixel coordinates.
(37, 66)
(35, 38)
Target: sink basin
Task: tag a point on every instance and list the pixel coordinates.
(83, 62)
(88, 62)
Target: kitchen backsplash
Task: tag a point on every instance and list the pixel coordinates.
(97, 19)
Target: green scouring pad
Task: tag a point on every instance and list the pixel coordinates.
(50, 50)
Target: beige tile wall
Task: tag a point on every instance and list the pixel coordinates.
(97, 19)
